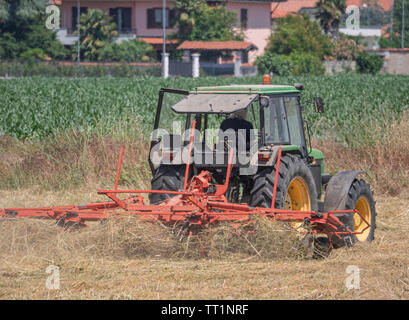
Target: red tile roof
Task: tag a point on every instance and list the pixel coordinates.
(281, 9)
(216, 45)
(385, 4)
(154, 40)
(56, 2)
(390, 50)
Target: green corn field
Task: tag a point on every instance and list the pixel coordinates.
(38, 107)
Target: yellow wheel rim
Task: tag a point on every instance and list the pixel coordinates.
(362, 205)
(297, 198)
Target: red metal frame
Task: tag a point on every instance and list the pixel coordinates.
(199, 204)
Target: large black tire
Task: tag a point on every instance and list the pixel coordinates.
(359, 190)
(166, 178)
(291, 167)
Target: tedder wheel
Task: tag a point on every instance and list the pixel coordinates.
(360, 197)
(166, 178)
(295, 186)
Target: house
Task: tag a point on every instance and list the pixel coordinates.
(230, 48)
(370, 34)
(386, 5)
(143, 19)
(281, 9)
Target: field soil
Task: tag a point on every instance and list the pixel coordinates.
(91, 271)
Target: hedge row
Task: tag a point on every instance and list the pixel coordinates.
(54, 69)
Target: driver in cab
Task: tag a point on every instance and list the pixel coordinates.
(237, 121)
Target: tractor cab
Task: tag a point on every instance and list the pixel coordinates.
(254, 120)
(264, 115)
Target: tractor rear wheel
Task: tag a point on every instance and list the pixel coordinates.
(360, 197)
(166, 178)
(296, 188)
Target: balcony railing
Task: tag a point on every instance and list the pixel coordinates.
(123, 31)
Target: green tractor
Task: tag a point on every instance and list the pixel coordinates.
(275, 114)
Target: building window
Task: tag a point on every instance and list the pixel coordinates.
(75, 17)
(155, 18)
(122, 18)
(243, 18)
(245, 57)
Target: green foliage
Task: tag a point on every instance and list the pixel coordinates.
(39, 107)
(10, 47)
(22, 27)
(96, 31)
(199, 21)
(30, 67)
(395, 42)
(386, 43)
(369, 63)
(4, 10)
(215, 24)
(278, 64)
(293, 64)
(306, 64)
(295, 33)
(26, 9)
(129, 51)
(188, 11)
(36, 53)
(346, 49)
(41, 37)
(330, 13)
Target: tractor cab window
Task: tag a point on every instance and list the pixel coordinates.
(275, 122)
(254, 115)
(294, 123)
(282, 122)
(170, 122)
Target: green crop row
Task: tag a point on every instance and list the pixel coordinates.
(40, 106)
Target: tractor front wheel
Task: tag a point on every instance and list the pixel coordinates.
(360, 197)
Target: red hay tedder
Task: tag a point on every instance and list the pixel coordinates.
(202, 202)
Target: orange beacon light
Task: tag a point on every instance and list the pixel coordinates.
(266, 79)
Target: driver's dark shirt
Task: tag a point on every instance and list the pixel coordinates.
(236, 124)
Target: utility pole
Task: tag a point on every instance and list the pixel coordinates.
(78, 26)
(391, 30)
(164, 36)
(403, 24)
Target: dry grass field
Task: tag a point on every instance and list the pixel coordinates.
(126, 259)
(131, 260)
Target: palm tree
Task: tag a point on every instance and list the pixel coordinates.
(96, 31)
(329, 14)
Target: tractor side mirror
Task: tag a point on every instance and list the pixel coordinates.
(318, 105)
